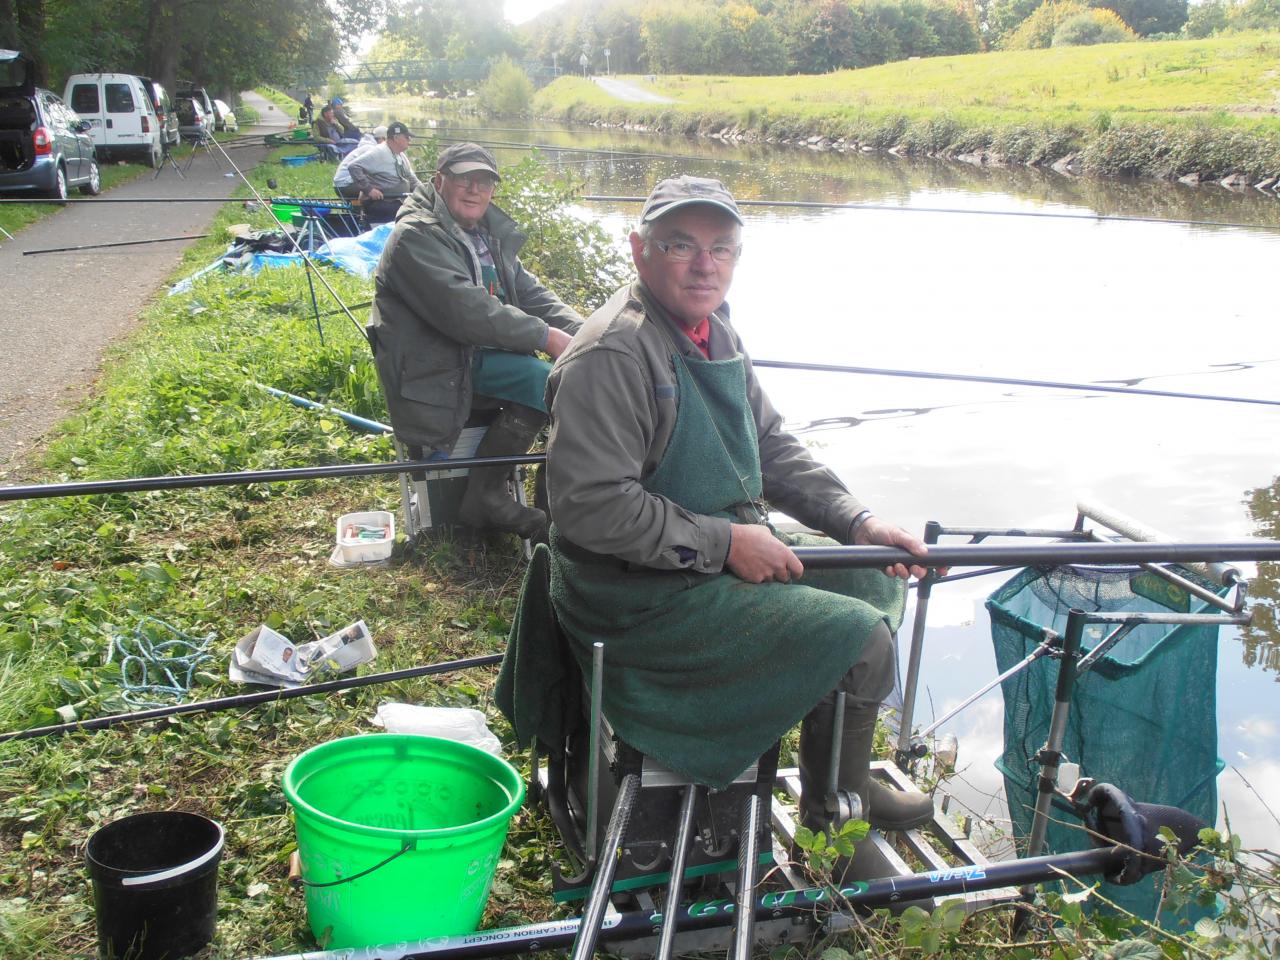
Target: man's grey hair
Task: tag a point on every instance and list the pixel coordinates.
(645, 231)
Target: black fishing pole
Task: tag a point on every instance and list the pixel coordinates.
(1128, 835)
(337, 471)
(824, 205)
(1038, 554)
(251, 699)
(118, 243)
(507, 144)
(1005, 381)
(306, 257)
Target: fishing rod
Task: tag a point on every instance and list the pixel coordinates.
(1006, 381)
(508, 144)
(306, 257)
(1128, 842)
(1038, 554)
(241, 700)
(888, 208)
(118, 243)
(238, 478)
(800, 204)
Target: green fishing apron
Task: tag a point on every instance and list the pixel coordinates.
(704, 672)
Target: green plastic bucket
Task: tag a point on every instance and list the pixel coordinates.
(285, 212)
(399, 835)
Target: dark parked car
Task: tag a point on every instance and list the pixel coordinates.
(193, 123)
(44, 147)
(165, 113)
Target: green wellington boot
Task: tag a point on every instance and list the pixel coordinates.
(883, 808)
(487, 503)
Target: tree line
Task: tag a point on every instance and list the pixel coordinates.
(224, 45)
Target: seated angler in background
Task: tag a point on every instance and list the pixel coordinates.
(326, 132)
(383, 176)
(457, 321)
(664, 459)
(343, 119)
(342, 181)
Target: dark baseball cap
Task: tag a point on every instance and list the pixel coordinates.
(676, 192)
(465, 158)
(397, 129)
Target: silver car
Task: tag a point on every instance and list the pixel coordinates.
(45, 149)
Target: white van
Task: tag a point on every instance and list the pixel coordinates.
(124, 120)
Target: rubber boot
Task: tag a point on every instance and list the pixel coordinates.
(883, 808)
(487, 503)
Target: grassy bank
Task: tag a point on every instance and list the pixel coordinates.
(76, 574)
(1160, 109)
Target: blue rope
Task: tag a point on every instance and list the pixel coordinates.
(151, 668)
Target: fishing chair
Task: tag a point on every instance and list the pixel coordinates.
(629, 825)
(432, 500)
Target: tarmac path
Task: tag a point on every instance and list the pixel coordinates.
(60, 311)
(629, 91)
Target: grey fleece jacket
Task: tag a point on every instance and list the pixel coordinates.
(389, 172)
(612, 397)
(430, 312)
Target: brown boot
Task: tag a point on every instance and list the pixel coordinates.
(487, 503)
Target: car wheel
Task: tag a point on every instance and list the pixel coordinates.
(94, 186)
(156, 158)
(59, 191)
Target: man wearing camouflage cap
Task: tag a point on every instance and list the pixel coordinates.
(457, 320)
(662, 454)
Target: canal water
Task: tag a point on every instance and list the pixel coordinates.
(958, 270)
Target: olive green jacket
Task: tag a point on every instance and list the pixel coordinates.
(613, 402)
(430, 312)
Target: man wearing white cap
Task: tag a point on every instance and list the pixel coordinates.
(663, 452)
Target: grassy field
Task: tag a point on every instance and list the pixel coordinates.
(1218, 94)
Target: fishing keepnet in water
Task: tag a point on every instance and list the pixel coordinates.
(1143, 718)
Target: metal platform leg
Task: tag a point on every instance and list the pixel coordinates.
(744, 921)
(584, 944)
(679, 857)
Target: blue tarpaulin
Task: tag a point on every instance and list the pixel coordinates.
(358, 255)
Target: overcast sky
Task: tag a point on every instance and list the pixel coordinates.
(518, 11)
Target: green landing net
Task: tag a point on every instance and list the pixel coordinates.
(1143, 718)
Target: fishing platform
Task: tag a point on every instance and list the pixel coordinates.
(635, 837)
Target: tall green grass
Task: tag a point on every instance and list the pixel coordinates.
(1187, 105)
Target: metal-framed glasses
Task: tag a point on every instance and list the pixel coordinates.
(681, 251)
(483, 182)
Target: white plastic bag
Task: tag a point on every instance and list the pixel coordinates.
(448, 723)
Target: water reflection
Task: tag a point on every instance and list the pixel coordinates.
(1261, 638)
(1076, 300)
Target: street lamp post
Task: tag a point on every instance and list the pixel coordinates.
(555, 67)
(607, 71)
(584, 61)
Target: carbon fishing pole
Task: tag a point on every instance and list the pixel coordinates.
(251, 699)
(887, 208)
(810, 902)
(508, 144)
(1005, 381)
(306, 257)
(118, 243)
(1038, 554)
(239, 478)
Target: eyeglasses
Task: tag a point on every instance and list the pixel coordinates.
(682, 251)
(483, 182)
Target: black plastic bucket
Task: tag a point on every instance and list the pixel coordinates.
(155, 884)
